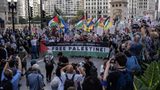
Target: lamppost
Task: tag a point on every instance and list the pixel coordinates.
(41, 14)
(12, 5)
(157, 7)
(132, 10)
(29, 16)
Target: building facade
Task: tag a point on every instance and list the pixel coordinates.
(139, 8)
(96, 8)
(49, 7)
(3, 9)
(36, 8)
(119, 9)
(69, 8)
(22, 8)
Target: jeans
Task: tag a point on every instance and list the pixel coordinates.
(34, 53)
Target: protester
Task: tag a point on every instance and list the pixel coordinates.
(10, 81)
(23, 56)
(35, 79)
(70, 78)
(92, 83)
(89, 67)
(121, 78)
(34, 51)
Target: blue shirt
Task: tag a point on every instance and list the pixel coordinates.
(15, 79)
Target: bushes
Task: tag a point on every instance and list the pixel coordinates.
(150, 80)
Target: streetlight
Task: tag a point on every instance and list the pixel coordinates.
(132, 9)
(41, 14)
(29, 16)
(12, 5)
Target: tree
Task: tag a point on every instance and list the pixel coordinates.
(22, 20)
(80, 13)
(37, 18)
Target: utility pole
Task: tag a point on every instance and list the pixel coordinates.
(29, 16)
(157, 9)
(132, 9)
(41, 14)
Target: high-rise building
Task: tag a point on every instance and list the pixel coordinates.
(3, 8)
(48, 6)
(95, 8)
(22, 8)
(36, 8)
(139, 8)
(69, 8)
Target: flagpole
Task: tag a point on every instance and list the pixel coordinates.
(157, 9)
(41, 14)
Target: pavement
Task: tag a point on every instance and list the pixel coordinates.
(97, 63)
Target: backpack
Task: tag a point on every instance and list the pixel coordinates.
(93, 71)
(125, 81)
(6, 85)
(69, 82)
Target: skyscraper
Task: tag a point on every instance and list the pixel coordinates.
(36, 8)
(3, 9)
(139, 8)
(48, 6)
(69, 7)
(95, 8)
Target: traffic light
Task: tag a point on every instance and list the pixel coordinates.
(43, 14)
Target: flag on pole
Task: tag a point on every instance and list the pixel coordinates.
(53, 22)
(79, 25)
(97, 22)
(108, 24)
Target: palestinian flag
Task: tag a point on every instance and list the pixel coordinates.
(80, 23)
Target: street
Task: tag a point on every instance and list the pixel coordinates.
(97, 63)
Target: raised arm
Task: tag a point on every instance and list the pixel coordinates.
(106, 72)
(19, 63)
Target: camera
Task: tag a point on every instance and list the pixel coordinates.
(112, 66)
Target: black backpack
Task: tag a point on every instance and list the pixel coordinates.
(125, 81)
(93, 71)
(6, 85)
(69, 82)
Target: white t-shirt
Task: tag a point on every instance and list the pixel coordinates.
(34, 42)
(77, 78)
(57, 80)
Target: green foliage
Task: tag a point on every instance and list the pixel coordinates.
(37, 18)
(22, 20)
(150, 80)
(80, 13)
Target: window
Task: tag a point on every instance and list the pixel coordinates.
(116, 5)
(113, 5)
(120, 5)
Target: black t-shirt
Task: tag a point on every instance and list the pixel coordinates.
(113, 78)
(87, 66)
(3, 53)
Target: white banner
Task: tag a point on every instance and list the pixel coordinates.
(79, 48)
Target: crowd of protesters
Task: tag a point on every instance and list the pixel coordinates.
(128, 50)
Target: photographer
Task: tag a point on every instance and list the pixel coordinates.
(119, 79)
(9, 80)
(89, 67)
